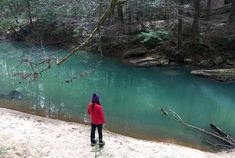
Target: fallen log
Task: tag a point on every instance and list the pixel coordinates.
(230, 144)
(221, 133)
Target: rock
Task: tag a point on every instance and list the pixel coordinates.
(205, 63)
(227, 43)
(164, 61)
(2, 37)
(172, 63)
(149, 61)
(140, 60)
(230, 43)
(14, 95)
(188, 60)
(136, 52)
(146, 61)
(218, 60)
(217, 74)
(156, 56)
(229, 62)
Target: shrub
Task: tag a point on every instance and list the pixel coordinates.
(151, 38)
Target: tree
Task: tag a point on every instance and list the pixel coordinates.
(120, 13)
(208, 9)
(195, 28)
(180, 24)
(29, 12)
(232, 12)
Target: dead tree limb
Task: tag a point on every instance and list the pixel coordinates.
(221, 132)
(230, 142)
(108, 13)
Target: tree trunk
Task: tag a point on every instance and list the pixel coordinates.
(14, 14)
(227, 1)
(180, 24)
(232, 12)
(208, 10)
(120, 13)
(129, 15)
(99, 27)
(29, 12)
(167, 12)
(195, 29)
(139, 13)
(120, 16)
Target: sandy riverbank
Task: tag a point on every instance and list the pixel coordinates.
(29, 136)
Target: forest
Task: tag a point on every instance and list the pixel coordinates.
(138, 32)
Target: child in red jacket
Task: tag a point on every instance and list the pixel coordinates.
(97, 119)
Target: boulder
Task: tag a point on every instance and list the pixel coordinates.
(136, 52)
(141, 60)
(217, 74)
(1, 38)
(219, 60)
(149, 61)
(205, 63)
(12, 95)
(164, 61)
(188, 60)
(230, 62)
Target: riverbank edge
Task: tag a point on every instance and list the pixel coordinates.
(141, 57)
(33, 136)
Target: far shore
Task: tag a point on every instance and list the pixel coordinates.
(25, 135)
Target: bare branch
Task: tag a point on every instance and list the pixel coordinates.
(105, 15)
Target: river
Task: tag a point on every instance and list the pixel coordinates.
(131, 97)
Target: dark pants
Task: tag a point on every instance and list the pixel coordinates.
(93, 128)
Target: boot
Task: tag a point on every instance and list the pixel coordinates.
(93, 142)
(101, 144)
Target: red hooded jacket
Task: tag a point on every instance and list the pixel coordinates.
(97, 116)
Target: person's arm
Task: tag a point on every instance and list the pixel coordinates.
(101, 115)
(89, 109)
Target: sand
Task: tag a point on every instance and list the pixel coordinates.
(28, 136)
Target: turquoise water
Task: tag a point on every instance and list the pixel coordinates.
(131, 97)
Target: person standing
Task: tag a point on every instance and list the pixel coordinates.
(97, 119)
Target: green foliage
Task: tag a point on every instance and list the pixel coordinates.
(153, 37)
(77, 32)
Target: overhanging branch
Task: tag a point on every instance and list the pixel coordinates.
(108, 13)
